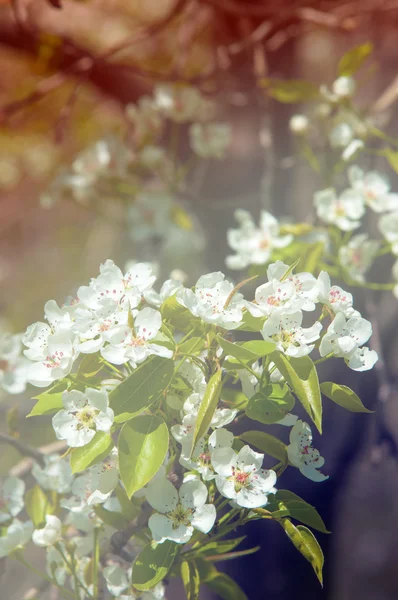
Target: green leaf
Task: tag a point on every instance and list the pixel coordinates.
(191, 579)
(129, 510)
(312, 257)
(305, 543)
(236, 351)
(250, 323)
(352, 60)
(233, 555)
(193, 345)
(219, 546)
(271, 404)
(234, 398)
(343, 396)
(224, 586)
(89, 366)
(259, 347)
(301, 375)
(143, 445)
(153, 563)
(91, 454)
(111, 518)
(179, 316)
(50, 401)
(286, 504)
(142, 388)
(266, 443)
(37, 506)
(290, 91)
(392, 157)
(207, 407)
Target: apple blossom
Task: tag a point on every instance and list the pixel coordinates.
(254, 245)
(388, 225)
(183, 510)
(83, 415)
(241, 478)
(11, 498)
(210, 139)
(344, 211)
(374, 187)
(16, 536)
(290, 337)
(50, 534)
(13, 366)
(358, 256)
(214, 301)
(302, 455)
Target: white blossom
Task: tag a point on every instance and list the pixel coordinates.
(374, 188)
(344, 338)
(56, 474)
(135, 345)
(11, 498)
(344, 87)
(50, 534)
(388, 225)
(83, 415)
(344, 211)
(241, 478)
(13, 366)
(97, 483)
(290, 337)
(299, 124)
(358, 256)
(254, 245)
(302, 455)
(183, 510)
(16, 536)
(210, 139)
(213, 301)
(179, 102)
(334, 297)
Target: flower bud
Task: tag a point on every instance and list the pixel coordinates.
(299, 124)
(344, 87)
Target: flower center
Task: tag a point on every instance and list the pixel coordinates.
(179, 516)
(240, 478)
(86, 418)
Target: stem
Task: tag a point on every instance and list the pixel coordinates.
(72, 567)
(323, 359)
(113, 368)
(66, 593)
(96, 558)
(22, 448)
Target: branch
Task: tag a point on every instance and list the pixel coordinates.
(22, 448)
(24, 466)
(120, 538)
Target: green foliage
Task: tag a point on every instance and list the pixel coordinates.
(220, 583)
(352, 60)
(92, 453)
(142, 388)
(143, 445)
(50, 401)
(207, 407)
(179, 316)
(305, 543)
(37, 506)
(270, 404)
(286, 504)
(111, 518)
(191, 579)
(301, 375)
(343, 396)
(290, 91)
(153, 563)
(247, 352)
(265, 442)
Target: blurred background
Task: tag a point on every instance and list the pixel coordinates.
(72, 194)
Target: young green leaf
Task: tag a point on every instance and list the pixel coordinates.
(234, 398)
(143, 445)
(343, 396)
(111, 518)
(191, 579)
(179, 316)
(219, 547)
(305, 543)
(92, 453)
(237, 351)
(193, 345)
(301, 375)
(142, 388)
(153, 563)
(207, 407)
(259, 347)
(286, 504)
(270, 404)
(352, 60)
(290, 91)
(266, 443)
(225, 587)
(50, 401)
(37, 505)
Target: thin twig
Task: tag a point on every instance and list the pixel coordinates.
(24, 449)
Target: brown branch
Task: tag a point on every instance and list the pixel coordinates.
(120, 538)
(85, 64)
(22, 448)
(25, 465)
